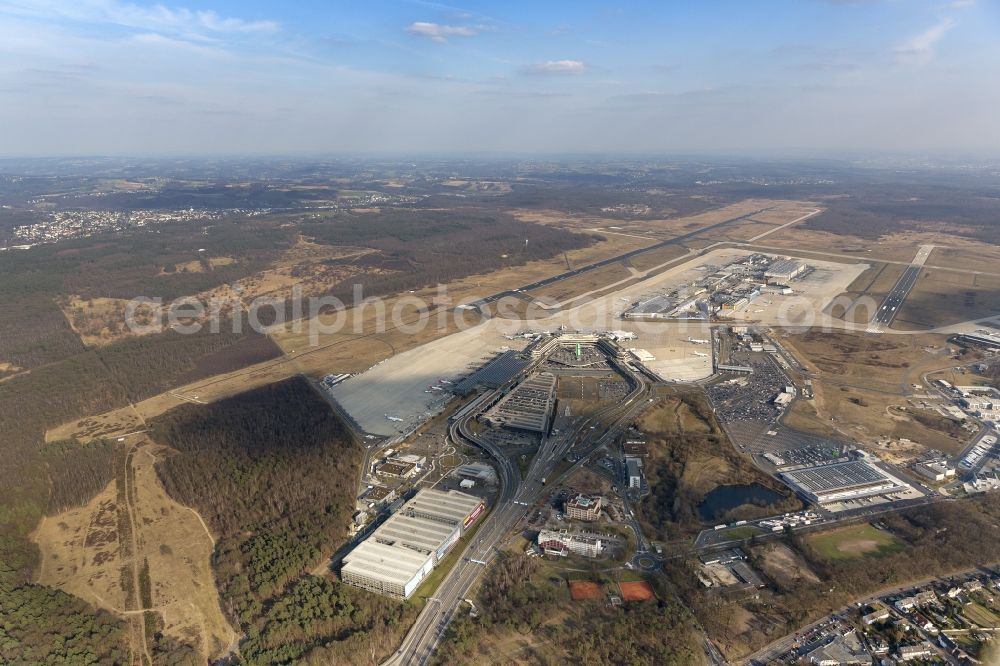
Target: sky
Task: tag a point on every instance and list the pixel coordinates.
(813, 77)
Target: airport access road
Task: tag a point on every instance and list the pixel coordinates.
(517, 495)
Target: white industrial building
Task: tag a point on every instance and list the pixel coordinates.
(562, 543)
(634, 466)
(400, 553)
(935, 470)
(836, 482)
(783, 270)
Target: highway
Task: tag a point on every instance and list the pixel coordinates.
(610, 260)
(516, 496)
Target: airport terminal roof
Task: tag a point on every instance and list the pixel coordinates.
(655, 305)
(494, 374)
(783, 267)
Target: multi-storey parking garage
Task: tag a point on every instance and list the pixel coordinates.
(529, 406)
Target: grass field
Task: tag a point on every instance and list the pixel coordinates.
(981, 615)
(855, 541)
(744, 532)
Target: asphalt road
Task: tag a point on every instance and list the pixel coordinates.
(512, 504)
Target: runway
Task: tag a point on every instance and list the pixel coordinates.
(894, 299)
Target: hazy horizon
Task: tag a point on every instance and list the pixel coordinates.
(818, 78)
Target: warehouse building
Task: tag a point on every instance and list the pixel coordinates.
(634, 466)
(935, 470)
(836, 482)
(400, 553)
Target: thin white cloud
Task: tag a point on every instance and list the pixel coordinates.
(437, 32)
(556, 67)
(157, 18)
(919, 49)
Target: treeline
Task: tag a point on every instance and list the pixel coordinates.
(941, 537)
(516, 597)
(77, 472)
(678, 455)
(875, 211)
(319, 621)
(274, 473)
(148, 365)
(424, 247)
(40, 625)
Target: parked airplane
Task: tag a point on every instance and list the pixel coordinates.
(698, 341)
(702, 354)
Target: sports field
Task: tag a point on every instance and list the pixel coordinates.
(856, 541)
(584, 589)
(636, 591)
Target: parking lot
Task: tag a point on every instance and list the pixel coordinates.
(748, 397)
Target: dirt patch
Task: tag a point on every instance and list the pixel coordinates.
(782, 563)
(94, 552)
(580, 590)
(863, 388)
(636, 591)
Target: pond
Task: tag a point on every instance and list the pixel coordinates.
(725, 498)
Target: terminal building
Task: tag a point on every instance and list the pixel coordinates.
(501, 370)
(403, 550)
(840, 481)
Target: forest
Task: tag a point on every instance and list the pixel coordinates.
(519, 598)
(421, 247)
(274, 473)
(874, 211)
